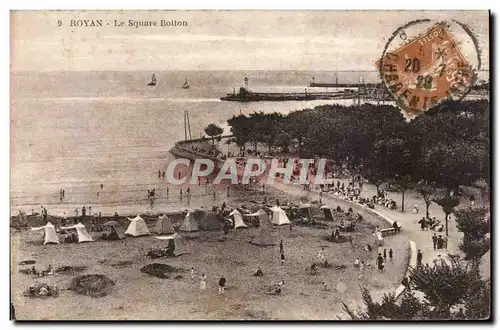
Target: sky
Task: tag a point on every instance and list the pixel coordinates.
(219, 40)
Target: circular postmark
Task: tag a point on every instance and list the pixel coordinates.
(428, 63)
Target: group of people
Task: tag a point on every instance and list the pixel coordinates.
(380, 261)
(432, 223)
(387, 202)
(439, 242)
(47, 272)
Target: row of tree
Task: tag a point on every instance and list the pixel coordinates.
(446, 147)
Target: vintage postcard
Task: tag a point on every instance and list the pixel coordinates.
(250, 165)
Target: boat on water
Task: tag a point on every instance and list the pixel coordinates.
(244, 95)
(153, 81)
(185, 85)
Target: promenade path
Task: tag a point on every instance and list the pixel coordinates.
(408, 220)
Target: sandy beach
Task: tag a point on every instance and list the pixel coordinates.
(138, 295)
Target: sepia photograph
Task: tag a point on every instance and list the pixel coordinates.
(250, 165)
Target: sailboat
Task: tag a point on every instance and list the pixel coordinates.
(185, 85)
(153, 81)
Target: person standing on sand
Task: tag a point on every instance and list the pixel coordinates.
(203, 282)
(159, 173)
(385, 255)
(390, 254)
(192, 273)
(102, 186)
(321, 256)
(282, 258)
(76, 212)
(222, 285)
(281, 247)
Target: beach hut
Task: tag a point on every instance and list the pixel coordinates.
(163, 226)
(81, 231)
(327, 211)
(114, 231)
(50, 235)
(176, 244)
(137, 227)
(237, 219)
(279, 216)
(264, 236)
(189, 224)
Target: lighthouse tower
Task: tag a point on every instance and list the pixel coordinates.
(246, 82)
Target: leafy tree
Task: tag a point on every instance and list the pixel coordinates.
(444, 284)
(427, 191)
(213, 130)
(475, 224)
(448, 204)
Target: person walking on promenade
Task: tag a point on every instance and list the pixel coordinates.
(440, 242)
(419, 258)
(380, 262)
(434, 241)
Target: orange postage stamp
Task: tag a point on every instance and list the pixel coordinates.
(426, 70)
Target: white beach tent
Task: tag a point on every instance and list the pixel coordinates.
(83, 234)
(178, 241)
(264, 236)
(50, 235)
(279, 216)
(237, 219)
(163, 226)
(189, 223)
(137, 227)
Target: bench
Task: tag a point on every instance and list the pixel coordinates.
(389, 231)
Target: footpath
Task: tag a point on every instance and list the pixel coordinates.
(422, 240)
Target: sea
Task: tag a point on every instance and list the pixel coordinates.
(78, 130)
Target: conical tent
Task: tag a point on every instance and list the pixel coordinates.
(83, 234)
(163, 226)
(237, 219)
(50, 235)
(264, 237)
(279, 216)
(137, 227)
(189, 223)
(116, 231)
(178, 241)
